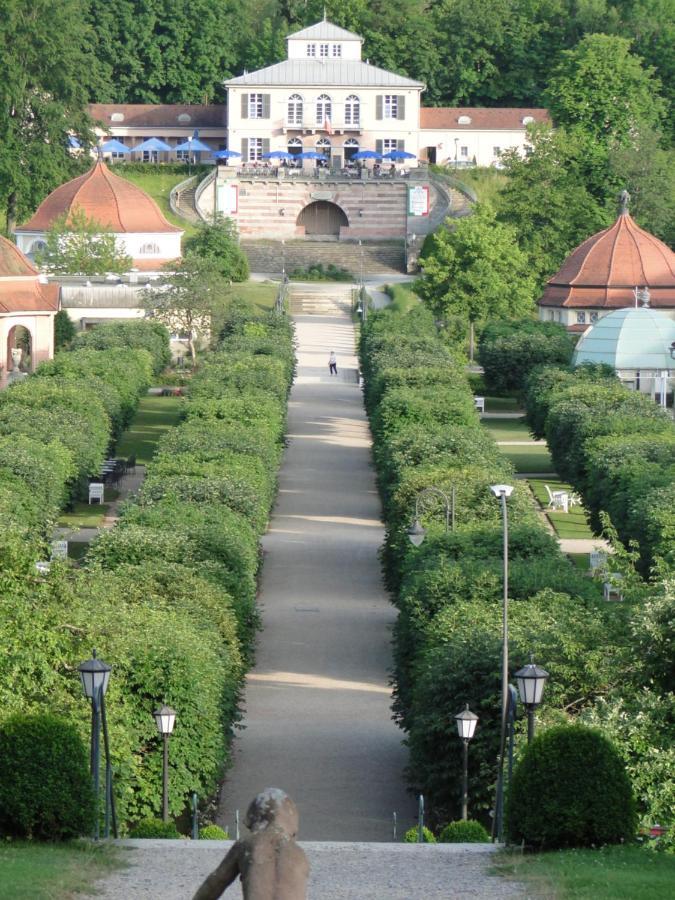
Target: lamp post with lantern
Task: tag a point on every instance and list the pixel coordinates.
(95, 675)
(466, 725)
(416, 533)
(165, 717)
(531, 680)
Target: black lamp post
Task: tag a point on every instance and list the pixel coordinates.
(165, 717)
(531, 681)
(466, 725)
(502, 492)
(416, 533)
(95, 675)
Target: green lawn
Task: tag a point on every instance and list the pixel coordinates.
(403, 298)
(31, 871)
(611, 873)
(261, 293)
(579, 561)
(501, 404)
(154, 416)
(572, 524)
(85, 515)
(508, 429)
(158, 185)
(534, 458)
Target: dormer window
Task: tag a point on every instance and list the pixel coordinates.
(527, 120)
(117, 117)
(311, 49)
(337, 49)
(464, 120)
(323, 51)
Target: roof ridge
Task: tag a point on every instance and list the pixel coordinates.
(107, 175)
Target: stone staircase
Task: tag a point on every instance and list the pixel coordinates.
(372, 258)
(182, 199)
(320, 298)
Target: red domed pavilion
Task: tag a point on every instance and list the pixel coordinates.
(139, 226)
(604, 272)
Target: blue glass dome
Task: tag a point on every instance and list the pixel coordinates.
(629, 339)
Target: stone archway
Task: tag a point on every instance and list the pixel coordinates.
(19, 338)
(322, 218)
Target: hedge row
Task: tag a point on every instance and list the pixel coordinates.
(57, 427)
(186, 553)
(509, 350)
(617, 448)
(448, 591)
(143, 334)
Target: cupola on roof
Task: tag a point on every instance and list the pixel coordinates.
(604, 271)
(324, 31)
(637, 339)
(108, 199)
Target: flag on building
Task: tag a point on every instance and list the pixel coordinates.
(327, 127)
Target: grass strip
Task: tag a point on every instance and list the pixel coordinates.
(154, 417)
(572, 524)
(32, 871)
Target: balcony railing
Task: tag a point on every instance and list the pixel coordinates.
(309, 124)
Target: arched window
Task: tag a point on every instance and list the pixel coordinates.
(351, 146)
(324, 109)
(37, 246)
(352, 110)
(323, 145)
(294, 111)
(149, 248)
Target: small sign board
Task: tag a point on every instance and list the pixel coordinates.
(418, 200)
(59, 549)
(321, 195)
(228, 199)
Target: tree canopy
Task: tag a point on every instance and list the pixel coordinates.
(218, 241)
(77, 245)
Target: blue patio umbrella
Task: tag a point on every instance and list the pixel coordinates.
(367, 154)
(225, 154)
(193, 145)
(277, 154)
(399, 154)
(310, 154)
(152, 145)
(73, 142)
(114, 146)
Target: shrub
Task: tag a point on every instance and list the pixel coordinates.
(213, 833)
(155, 828)
(45, 786)
(412, 836)
(508, 351)
(64, 330)
(461, 832)
(218, 241)
(142, 334)
(570, 789)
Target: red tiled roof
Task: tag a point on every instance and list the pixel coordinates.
(148, 115)
(28, 296)
(604, 271)
(108, 199)
(508, 118)
(13, 262)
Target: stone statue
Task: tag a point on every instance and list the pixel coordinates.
(16, 354)
(269, 862)
(624, 200)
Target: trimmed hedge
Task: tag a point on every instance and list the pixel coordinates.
(508, 351)
(447, 641)
(143, 334)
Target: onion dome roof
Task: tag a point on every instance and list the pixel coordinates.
(629, 339)
(106, 198)
(604, 271)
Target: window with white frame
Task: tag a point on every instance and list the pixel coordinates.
(390, 106)
(352, 110)
(324, 108)
(351, 146)
(255, 106)
(594, 318)
(464, 151)
(255, 149)
(149, 249)
(497, 151)
(581, 318)
(294, 110)
(337, 49)
(389, 144)
(311, 49)
(323, 51)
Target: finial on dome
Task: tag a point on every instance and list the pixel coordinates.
(324, 13)
(624, 200)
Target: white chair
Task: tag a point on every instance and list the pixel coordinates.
(479, 403)
(42, 567)
(611, 589)
(575, 499)
(558, 499)
(96, 491)
(596, 560)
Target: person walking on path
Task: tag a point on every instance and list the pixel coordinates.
(332, 363)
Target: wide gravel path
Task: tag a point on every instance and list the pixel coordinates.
(318, 719)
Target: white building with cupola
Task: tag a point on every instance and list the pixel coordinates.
(324, 97)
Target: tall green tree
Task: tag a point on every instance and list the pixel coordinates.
(78, 245)
(219, 242)
(606, 90)
(476, 271)
(45, 70)
(547, 199)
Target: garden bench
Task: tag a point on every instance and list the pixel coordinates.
(558, 499)
(479, 403)
(596, 560)
(59, 549)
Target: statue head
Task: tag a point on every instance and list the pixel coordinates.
(273, 807)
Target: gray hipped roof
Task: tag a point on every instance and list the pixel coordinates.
(338, 72)
(324, 31)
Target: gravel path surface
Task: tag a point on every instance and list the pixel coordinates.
(173, 870)
(318, 719)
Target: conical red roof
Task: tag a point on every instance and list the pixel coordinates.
(20, 287)
(113, 201)
(606, 268)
